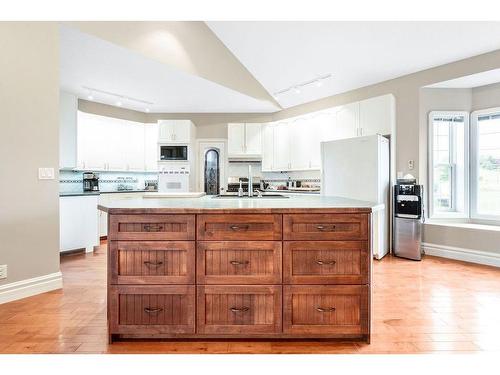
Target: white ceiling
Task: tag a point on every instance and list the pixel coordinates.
(357, 54)
(474, 80)
(92, 62)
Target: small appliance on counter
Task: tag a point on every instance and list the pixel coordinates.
(174, 180)
(408, 219)
(90, 181)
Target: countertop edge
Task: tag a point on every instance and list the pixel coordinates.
(167, 210)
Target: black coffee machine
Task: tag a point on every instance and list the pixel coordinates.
(90, 181)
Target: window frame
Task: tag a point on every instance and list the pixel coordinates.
(452, 213)
(473, 166)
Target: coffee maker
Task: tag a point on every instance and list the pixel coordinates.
(90, 181)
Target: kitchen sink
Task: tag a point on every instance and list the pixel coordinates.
(264, 196)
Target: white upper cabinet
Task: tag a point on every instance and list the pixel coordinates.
(235, 139)
(281, 147)
(377, 115)
(347, 121)
(175, 131)
(301, 141)
(253, 139)
(151, 147)
(244, 140)
(68, 108)
(268, 147)
(134, 146)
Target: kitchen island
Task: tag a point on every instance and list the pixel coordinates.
(269, 268)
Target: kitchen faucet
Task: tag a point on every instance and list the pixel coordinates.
(250, 182)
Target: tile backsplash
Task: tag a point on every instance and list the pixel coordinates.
(71, 181)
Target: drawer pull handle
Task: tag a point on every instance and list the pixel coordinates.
(154, 310)
(153, 228)
(322, 227)
(325, 262)
(239, 263)
(152, 264)
(325, 309)
(239, 227)
(241, 309)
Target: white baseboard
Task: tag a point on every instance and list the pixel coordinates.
(459, 253)
(30, 287)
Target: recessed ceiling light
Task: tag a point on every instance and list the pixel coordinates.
(296, 90)
(119, 103)
(90, 97)
(147, 109)
(319, 83)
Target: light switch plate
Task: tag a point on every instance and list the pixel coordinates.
(3, 271)
(45, 173)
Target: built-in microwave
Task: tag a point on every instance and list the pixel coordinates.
(173, 152)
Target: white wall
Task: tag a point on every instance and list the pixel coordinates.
(29, 121)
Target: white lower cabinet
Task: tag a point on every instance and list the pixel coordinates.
(78, 223)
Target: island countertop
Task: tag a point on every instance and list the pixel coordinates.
(209, 204)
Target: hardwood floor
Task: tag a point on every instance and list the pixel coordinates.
(433, 306)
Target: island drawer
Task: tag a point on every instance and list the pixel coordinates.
(323, 310)
(238, 309)
(325, 227)
(239, 227)
(152, 227)
(237, 262)
(152, 309)
(325, 262)
(152, 262)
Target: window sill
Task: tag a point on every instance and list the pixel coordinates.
(444, 223)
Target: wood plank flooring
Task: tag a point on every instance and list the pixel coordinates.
(433, 306)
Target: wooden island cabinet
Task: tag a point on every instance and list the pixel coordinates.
(239, 273)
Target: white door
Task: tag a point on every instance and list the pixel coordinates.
(267, 147)
(376, 115)
(151, 147)
(347, 121)
(253, 139)
(236, 139)
(181, 131)
(281, 147)
(220, 146)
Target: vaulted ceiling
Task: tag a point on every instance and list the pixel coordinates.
(252, 66)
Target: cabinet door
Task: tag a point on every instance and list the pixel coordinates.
(347, 121)
(281, 147)
(91, 141)
(181, 131)
(300, 138)
(376, 115)
(236, 139)
(267, 147)
(151, 147)
(117, 140)
(253, 139)
(165, 131)
(68, 108)
(134, 146)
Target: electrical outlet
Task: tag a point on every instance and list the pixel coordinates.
(3, 271)
(411, 165)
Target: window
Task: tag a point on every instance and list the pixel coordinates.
(448, 164)
(485, 165)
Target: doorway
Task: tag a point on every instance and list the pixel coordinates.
(212, 166)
